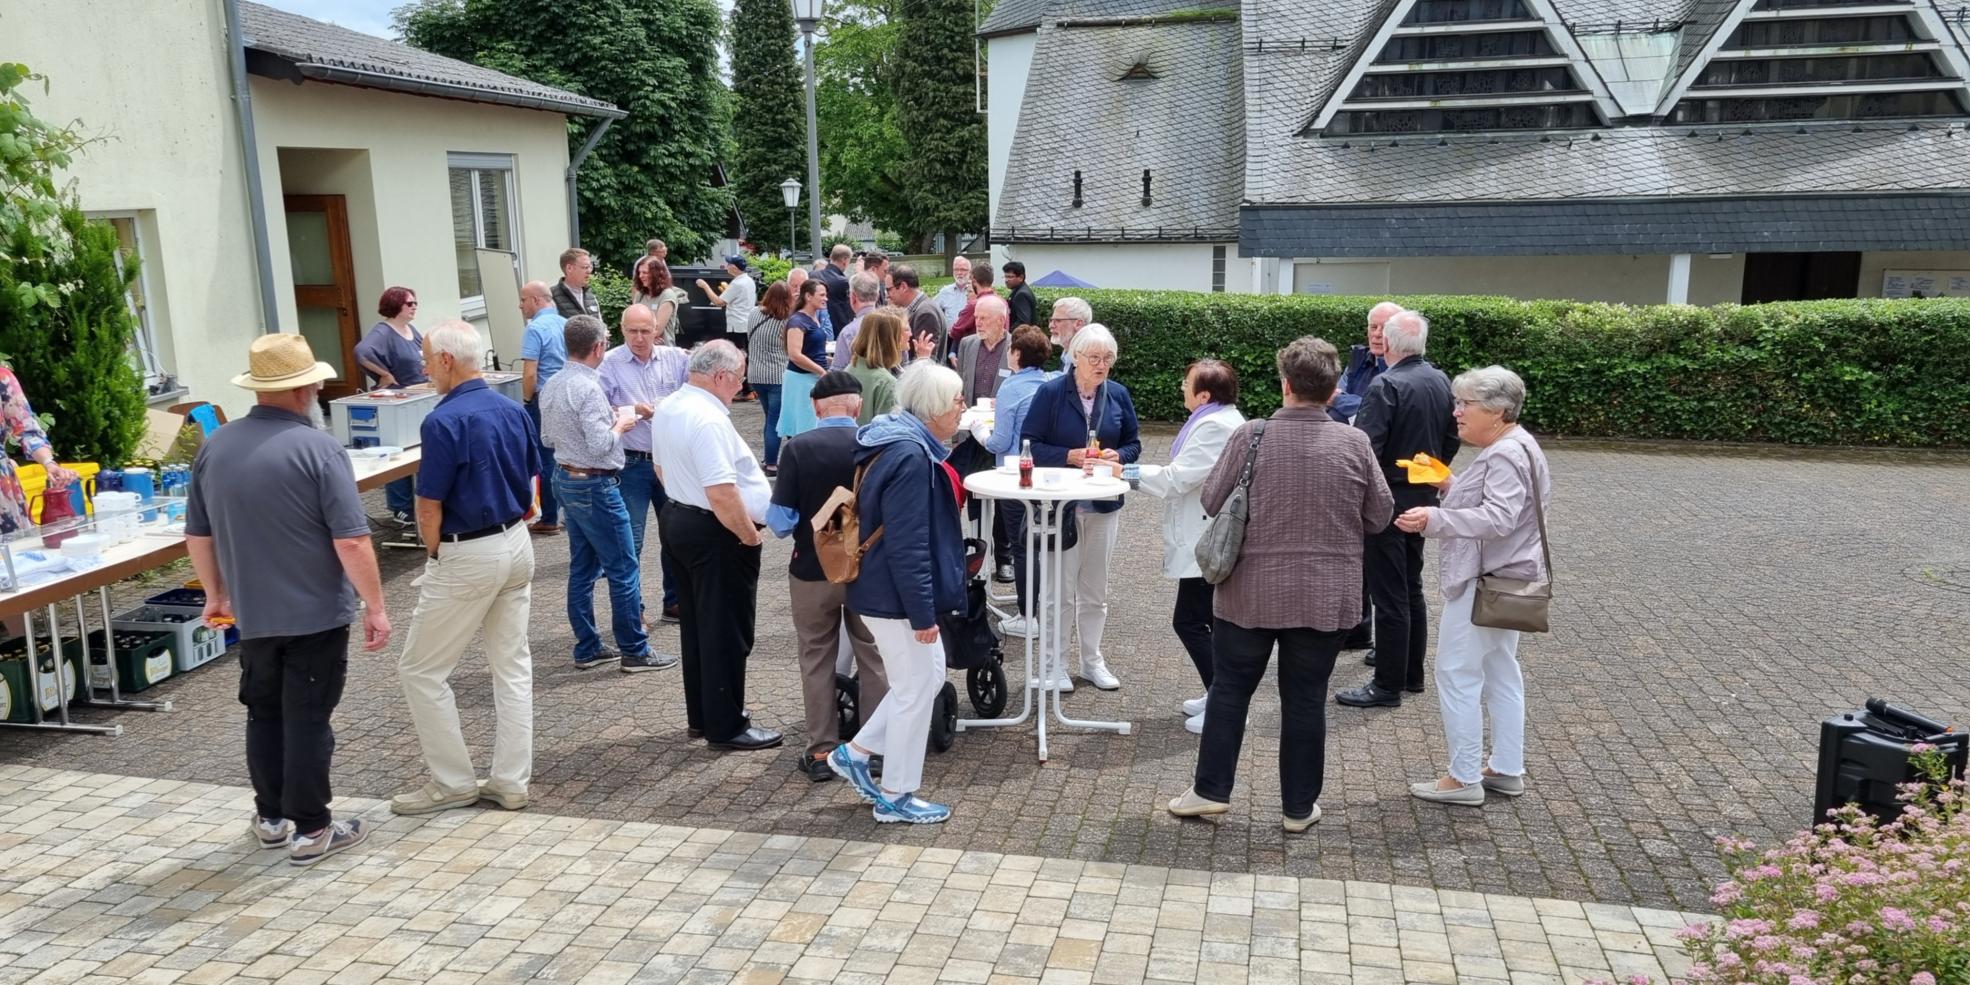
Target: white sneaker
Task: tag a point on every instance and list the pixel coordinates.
(1019, 627)
(1097, 674)
(1063, 685)
(1194, 724)
(1195, 706)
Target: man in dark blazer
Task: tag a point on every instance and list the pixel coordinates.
(572, 296)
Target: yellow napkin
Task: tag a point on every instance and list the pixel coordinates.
(1424, 470)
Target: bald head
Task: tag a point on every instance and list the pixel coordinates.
(992, 314)
(639, 330)
(534, 298)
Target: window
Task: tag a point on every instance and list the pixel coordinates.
(1563, 116)
(1856, 106)
(144, 350)
(1818, 71)
(1432, 85)
(1217, 269)
(482, 195)
(1462, 11)
(1407, 49)
(1826, 31)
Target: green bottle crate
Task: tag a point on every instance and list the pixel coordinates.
(15, 685)
(142, 659)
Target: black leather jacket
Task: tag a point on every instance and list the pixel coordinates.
(1407, 410)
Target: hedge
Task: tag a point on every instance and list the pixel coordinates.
(1851, 372)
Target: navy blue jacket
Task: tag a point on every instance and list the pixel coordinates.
(916, 571)
(1363, 367)
(1056, 424)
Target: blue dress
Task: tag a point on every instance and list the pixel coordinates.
(796, 405)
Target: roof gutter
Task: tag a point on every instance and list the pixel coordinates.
(446, 90)
(574, 169)
(256, 197)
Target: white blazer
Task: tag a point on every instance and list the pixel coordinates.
(1180, 485)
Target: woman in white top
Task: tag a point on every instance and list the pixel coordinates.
(1489, 521)
(1210, 392)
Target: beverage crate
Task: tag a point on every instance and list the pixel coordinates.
(193, 644)
(142, 659)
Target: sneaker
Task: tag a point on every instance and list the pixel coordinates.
(672, 614)
(1194, 724)
(506, 799)
(1468, 795)
(910, 809)
(1064, 685)
(1369, 695)
(1097, 674)
(1003, 574)
(599, 659)
(275, 833)
(404, 520)
(648, 661)
(1192, 805)
(1018, 628)
(309, 849)
(1510, 786)
(1195, 706)
(543, 529)
(1295, 825)
(430, 799)
(856, 772)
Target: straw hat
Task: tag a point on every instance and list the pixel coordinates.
(282, 362)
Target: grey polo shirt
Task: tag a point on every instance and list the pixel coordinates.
(274, 494)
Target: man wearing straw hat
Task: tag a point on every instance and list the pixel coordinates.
(278, 536)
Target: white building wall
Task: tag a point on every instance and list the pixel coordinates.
(1008, 60)
(1619, 279)
(1143, 266)
(1874, 265)
(151, 80)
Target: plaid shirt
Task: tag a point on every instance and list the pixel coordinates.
(577, 420)
(628, 381)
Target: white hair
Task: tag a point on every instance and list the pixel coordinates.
(716, 356)
(1074, 308)
(992, 304)
(1408, 334)
(865, 287)
(1091, 337)
(1494, 388)
(927, 389)
(1384, 311)
(459, 340)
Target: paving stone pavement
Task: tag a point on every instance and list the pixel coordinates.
(1714, 605)
(129, 879)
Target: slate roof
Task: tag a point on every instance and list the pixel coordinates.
(1186, 126)
(1013, 16)
(336, 54)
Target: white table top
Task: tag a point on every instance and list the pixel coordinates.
(996, 484)
(368, 467)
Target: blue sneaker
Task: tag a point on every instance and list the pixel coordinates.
(600, 659)
(910, 809)
(856, 772)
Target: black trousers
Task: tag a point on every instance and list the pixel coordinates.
(1012, 516)
(1394, 562)
(1306, 661)
(290, 685)
(718, 591)
(1192, 622)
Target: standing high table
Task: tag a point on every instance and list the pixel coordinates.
(1052, 488)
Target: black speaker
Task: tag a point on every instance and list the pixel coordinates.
(1864, 756)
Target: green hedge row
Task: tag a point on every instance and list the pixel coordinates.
(1858, 372)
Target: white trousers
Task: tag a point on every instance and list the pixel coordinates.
(475, 584)
(1084, 583)
(900, 728)
(1477, 671)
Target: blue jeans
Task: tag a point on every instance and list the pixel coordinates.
(769, 404)
(550, 507)
(643, 495)
(599, 545)
(401, 495)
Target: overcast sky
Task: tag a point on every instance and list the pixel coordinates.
(367, 16)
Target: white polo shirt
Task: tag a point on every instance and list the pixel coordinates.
(697, 446)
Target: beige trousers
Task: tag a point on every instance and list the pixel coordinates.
(819, 616)
(477, 584)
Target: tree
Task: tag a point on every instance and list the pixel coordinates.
(655, 59)
(863, 153)
(936, 100)
(65, 321)
(769, 121)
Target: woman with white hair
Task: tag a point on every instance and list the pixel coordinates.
(1492, 521)
(1065, 411)
(907, 502)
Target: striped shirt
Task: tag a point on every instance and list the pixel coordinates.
(628, 380)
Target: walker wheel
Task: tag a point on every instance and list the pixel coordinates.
(848, 706)
(944, 718)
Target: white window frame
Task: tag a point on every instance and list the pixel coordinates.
(149, 357)
(475, 165)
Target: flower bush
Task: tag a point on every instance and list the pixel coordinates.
(1852, 901)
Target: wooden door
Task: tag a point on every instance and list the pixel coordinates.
(325, 285)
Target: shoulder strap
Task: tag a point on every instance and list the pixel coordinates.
(1538, 508)
(856, 489)
(1251, 454)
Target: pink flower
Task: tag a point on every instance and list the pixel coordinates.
(1922, 978)
(1804, 920)
(1893, 919)
(1918, 749)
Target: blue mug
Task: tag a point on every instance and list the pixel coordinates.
(109, 480)
(140, 481)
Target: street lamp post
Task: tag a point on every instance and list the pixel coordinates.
(807, 14)
(790, 194)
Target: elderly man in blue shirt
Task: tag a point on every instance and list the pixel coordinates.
(474, 489)
(542, 354)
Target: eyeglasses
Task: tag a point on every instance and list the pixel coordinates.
(410, 304)
(1468, 404)
(1098, 359)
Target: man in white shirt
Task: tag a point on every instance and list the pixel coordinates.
(740, 298)
(955, 295)
(710, 528)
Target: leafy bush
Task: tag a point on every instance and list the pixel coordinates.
(1859, 372)
(612, 294)
(1851, 902)
(769, 269)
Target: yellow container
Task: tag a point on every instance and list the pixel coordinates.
(34, 482)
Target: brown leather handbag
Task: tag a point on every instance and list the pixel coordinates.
(1519, 603)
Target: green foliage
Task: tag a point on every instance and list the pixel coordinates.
(1814, 372)
(657, 60)
(64, 318)
(945, 181)
(769, 122)
(769, 270)
(613, 293)
(863, 154)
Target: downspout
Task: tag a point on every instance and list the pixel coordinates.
(574, 168)
(263, 258)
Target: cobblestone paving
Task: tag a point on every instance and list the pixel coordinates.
(1715, 604)
(126, 879)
